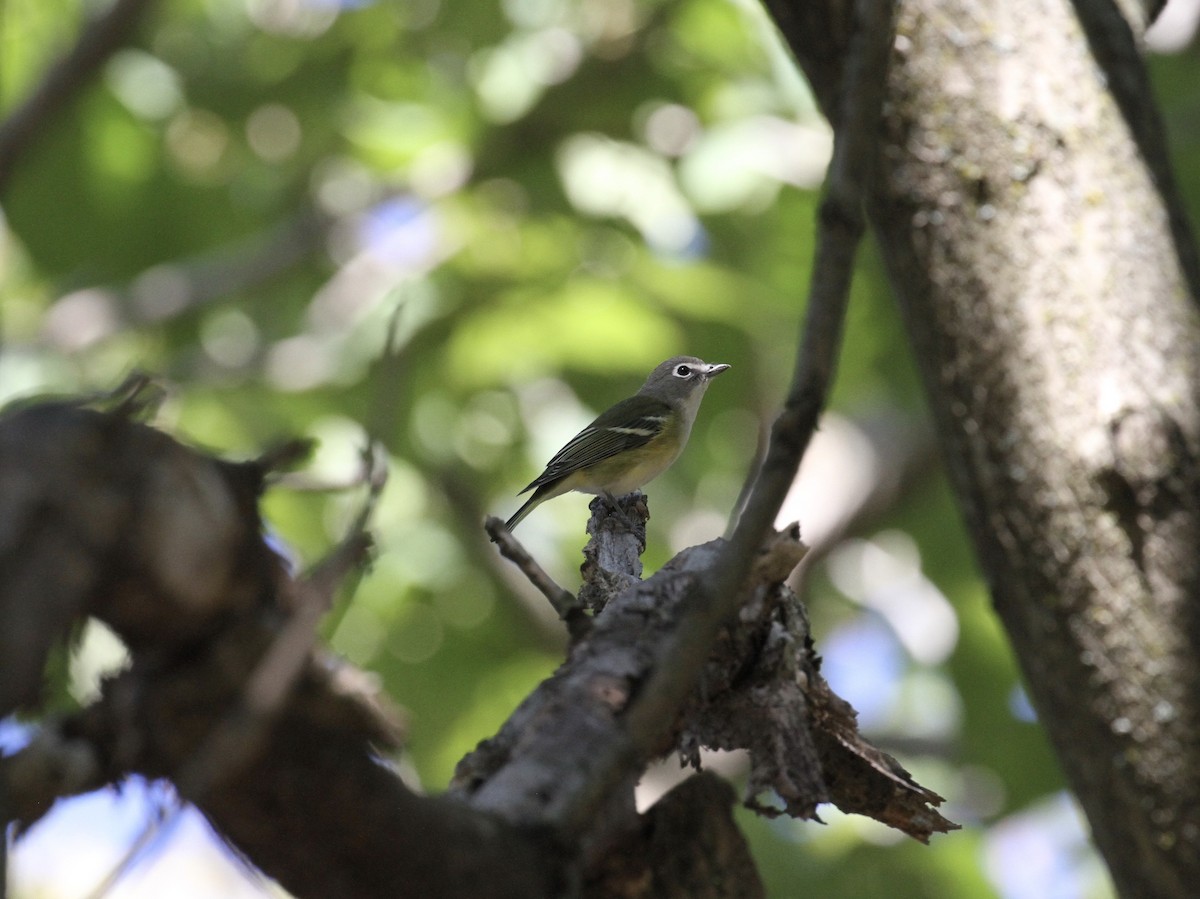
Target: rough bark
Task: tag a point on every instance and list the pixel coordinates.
(1046, 273)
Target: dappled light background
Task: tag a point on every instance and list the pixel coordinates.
(463, 229)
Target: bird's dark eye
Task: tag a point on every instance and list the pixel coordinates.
(683, 371)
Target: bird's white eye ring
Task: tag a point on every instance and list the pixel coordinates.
(683, 371)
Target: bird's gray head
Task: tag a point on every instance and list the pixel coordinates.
(681, 378)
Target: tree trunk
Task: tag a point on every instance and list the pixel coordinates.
(1047, 277)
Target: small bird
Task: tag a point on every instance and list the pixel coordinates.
(633, 442)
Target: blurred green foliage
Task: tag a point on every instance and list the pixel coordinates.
(462, 229)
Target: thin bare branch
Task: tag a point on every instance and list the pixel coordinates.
(1117, 50)
(103, 36)
(564, 603)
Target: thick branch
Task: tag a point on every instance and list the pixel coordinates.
(313, 807)
(1047, 280)
(107, 517)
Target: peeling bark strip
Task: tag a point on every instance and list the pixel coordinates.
(1046, 272)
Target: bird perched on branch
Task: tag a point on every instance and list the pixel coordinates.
(633, 442)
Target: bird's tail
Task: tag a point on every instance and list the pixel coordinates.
(537, 497)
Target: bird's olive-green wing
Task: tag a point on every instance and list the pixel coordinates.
(627, 425)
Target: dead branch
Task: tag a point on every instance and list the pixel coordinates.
(565, 605)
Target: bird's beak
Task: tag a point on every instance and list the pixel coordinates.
(714, 369)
